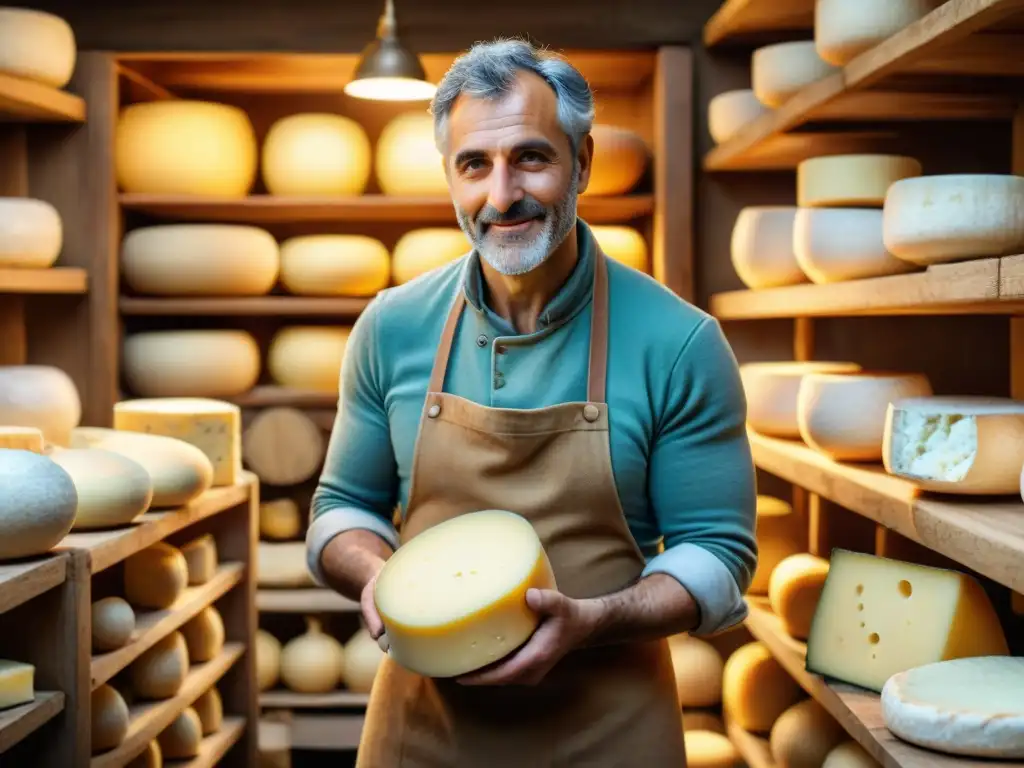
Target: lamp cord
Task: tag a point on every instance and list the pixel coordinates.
(386, 25)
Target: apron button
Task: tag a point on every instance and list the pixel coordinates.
(591, 412)
(433, 411)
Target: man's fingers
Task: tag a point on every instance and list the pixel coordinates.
(547, 601)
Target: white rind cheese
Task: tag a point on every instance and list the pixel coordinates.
(407, 161)
(772, 391)
(780, 534)
(113, 490)
(859, 181)
(778, 72)
(969, 445)
(37, 46)
(421, 250)
(31, 232)
(761, 247)
(316, 154)
(42, 397)
(334, 265)
(731, 112)
(938, 219)
(207, 363)
(844, 30)
(972, 707)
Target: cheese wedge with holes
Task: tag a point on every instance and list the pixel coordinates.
(877, 617)
(453, 598)
(859, 181)
(972, 707)
(17, 681)
(21, 439)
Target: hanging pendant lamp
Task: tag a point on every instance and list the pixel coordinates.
(387, 70)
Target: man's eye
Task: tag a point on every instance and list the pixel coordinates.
(532, 157)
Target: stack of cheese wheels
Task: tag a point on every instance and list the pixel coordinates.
(206, 363)
(31, 232)
(730, 112)
(772, 391)
(624, 244)
(407, 160)
(308, 357)
(843, 415)
(185, 147)
(804, 735)
(938, 219)
(698, 669)
(969, 445)
(112, 489)
(838, 233)
(762, 247)
(794, 590)
(844, 30)
(778, 72)
(421, 250)
(200, 260)
(316, 154)
(37, 46)
(756, 689)
(453, 598)
(41, 397)
(38, 502)
(779, 535)
(619, 161)
(334, 265)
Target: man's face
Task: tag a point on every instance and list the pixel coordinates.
(513, 176)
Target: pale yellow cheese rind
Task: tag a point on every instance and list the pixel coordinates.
(794, 590)
(16, 683)
(756, 689)
(851, 180)
(419, 251)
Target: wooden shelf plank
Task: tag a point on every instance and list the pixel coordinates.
(739, 19)
(26, 101)
(326, 731)
(20, 582)
(106, 548)
(52, 280)
(285, 699)
(214, 746)
(753, 749)
(18, 722)
(153, 626)
(303, 601)
(985, 536)
(267, 209)
(270, 396)
(340, 307)
(150, 718)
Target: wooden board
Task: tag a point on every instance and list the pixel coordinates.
(26, 101)
(52, 280)
(303, 601)
(285, 699)
(214, 746)
(741, 19)
(753, 749)
(340, 307)
(18, 722)
(20, 582)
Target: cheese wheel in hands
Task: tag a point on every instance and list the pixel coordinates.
(859, 181)
(37, 46)
(772, 391)
(38, 502)
(836, 244)
(803, 736)
(731, 112)
(779, 535)
(407, 159)
(844, 30)
(334, 265)
(421, 250)
(222, 363)
(624, 244)
(698, 670)
(619, 161)
(756, 689)
(112, 489)
(794, 590)
(453, 598)
(31, 232)
(761, 248)
(778, 72)
(308, 357)
(316, 154)
(40, 396)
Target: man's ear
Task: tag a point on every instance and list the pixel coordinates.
(585, 161)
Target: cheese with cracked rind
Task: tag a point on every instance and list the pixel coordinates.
(731, 111)
(756, 689)
(38, 502)
(772, 391)
(316, 154)
(31, 232)
(37, 45)
(844, 30)
(780, 71)
(858, 181)
(453, 598)
(407, 160)
(780, 533)
(334, 265)
(794, 590)
(113, 490)
(40, 396)
(419, 251)
(308, 357)
(201, 363)
(761, 247)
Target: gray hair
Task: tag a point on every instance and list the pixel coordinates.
(488, 70)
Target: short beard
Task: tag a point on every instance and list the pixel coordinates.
(519, 254)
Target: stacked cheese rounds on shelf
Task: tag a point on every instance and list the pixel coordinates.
(31, 232)
(37, 46)
(772, 391)
(843, 30)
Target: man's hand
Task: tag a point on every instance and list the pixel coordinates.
(566, 624)
(374, 625)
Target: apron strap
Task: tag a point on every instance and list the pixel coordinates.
(444, 346)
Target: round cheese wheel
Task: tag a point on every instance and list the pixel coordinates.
(155, 577)
(113, 622)
(180, 472)
(112, 489)
(308, 357)
(316, 154)
(109, 714)
(201, 559)
(619, 160)
(22, 439)
(313, 662)
(762, 247)
(31, 231)
(159, 672)
(37, 504)
(283, 446)
(268, 660)
(756, 689)
(204, 635)
(210, 708)
(803, 736)
(204, 363)
(421, 250)
(851, 180)
(199, 260)
(183, 737)
(151, 757)
(938, 219)
(698, 670)
(794, 590)
(362, 660)
(37, 46)
(707, 749)
(836, 244)
(778, 72)
(407, 160)
(849, 754)
(40, 396)
(972, 445)
(779, 535)
(731, 112)
(844, 30)
(453, 598)
(843, 415)
(334, 265)
(624, 244)
(701, 720)
(772, 391)
(280, 519)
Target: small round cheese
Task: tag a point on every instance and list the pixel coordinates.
(772, 390)
(851, 180)
(804, 735)
(108, 713)
(779, 535)
(334, 265)
(210, 708)
(37, 504)
(200, 558)
(972, 707)
(698, 670)
(222, 363)
(185, 147)
(40, 396)
(794, 590)
(113, 622)
(316, 154)
(421, 250)
(313, 662)
(155, 577)
(37, 46)
(160, 672)
(268, 660)
(731, 112)
(362, 660)
(849, 754)
(183, 737)
(31, 231)
(707, 749)
(453, 598)
(112, 489)
(619, 161)
(22, 439)
(937, 219)
(762, 247)
(199, 260)
(778, 72)
(844, 30)
(843, 415)
(756, 689)
(280, 519)
(624, 244)
(971, 445)
(836, 244)
(308, 357)
(204, 635)
(407, 160)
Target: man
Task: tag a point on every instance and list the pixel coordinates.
(535, 375)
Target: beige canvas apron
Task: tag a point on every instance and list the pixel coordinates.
(605, 707)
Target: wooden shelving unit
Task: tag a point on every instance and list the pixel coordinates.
(303, 601)
(338, 308)
(738, 21)
(27, 101)
(43, 281)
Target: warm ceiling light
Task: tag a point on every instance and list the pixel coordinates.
(387, 70)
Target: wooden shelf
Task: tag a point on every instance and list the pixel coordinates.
(52, 280)
(26, 101)
(285, 699)
(270, 396)
(341, 307)
(152, 717)
(214, 746)
(20, 582)
(153, 626)
(303, 601)
(986, 536)
(267, 209)
(753, 749)
(741, 20)
(18, 722)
